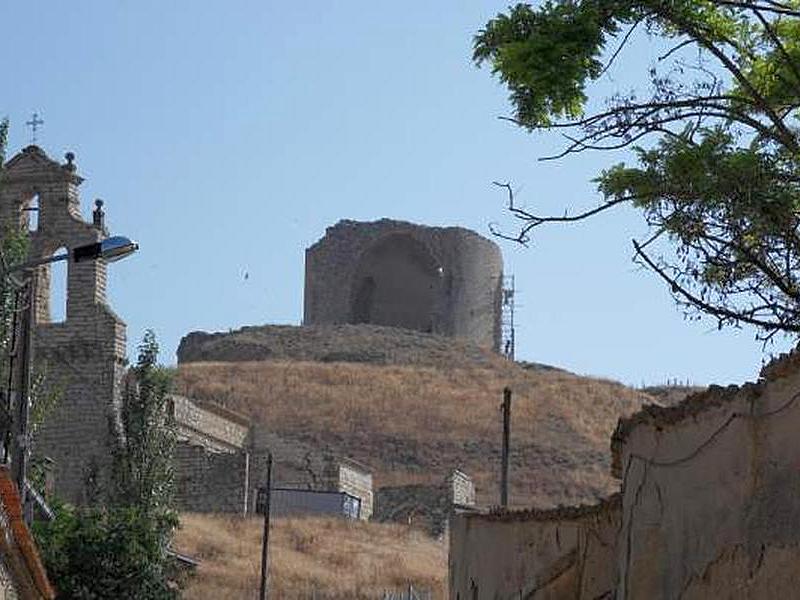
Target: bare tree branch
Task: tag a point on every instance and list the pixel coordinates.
(718, 311)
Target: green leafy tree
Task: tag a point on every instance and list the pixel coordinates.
(120, 550)
(713, 130)
(143, 470)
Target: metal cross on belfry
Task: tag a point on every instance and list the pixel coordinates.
(34, 125)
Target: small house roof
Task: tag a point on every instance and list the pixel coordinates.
(22, 554)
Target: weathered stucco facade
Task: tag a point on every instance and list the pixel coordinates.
(711, 493)
(84, 355)
(444, 280)
(561, 553)
(709, 508)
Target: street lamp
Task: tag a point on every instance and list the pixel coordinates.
(110, 249)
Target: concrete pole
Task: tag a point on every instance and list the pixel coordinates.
(506, 437)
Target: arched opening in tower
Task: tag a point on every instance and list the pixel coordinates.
(397, 283)
(51, 290)
(30, 213)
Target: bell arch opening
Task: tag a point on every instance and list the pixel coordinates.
(30, 213)
(52, 283)
(397, 283)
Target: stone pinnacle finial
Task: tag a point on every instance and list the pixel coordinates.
(98, 216)
(70, 156)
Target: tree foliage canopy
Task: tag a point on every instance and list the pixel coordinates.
(713, 131)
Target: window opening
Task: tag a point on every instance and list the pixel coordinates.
(32, 213)
(58, 289)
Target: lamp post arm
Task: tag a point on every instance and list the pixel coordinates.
(111, 249)
(30, 264)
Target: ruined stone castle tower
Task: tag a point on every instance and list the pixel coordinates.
(444, 280)
(84, 355)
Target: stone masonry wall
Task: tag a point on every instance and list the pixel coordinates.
(212, 426)
(347, 477)
(462, 489)
(425, 506)
(208, 481)
(435, 279)
(84, 356)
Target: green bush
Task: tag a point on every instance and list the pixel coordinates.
(104, 553)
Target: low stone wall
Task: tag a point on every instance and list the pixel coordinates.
(562, 553)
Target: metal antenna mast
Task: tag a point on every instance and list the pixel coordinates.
(508, 326)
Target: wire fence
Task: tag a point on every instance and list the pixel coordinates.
(409, 593)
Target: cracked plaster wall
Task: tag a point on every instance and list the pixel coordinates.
(711, 497)
(562, 553)
(709, 508)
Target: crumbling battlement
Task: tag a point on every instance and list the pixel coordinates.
(444, 280)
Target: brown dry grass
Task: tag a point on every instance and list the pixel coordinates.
(415, 423)
(310, 558)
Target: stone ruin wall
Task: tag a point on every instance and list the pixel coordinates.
(439, 280)
(709, 507)
(461, 489)
(351, 478)
(208, 481)
(83, 356)
(217, 468)
(426, 506)
(213, 426)
(221, 461)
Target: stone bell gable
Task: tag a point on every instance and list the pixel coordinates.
(83, 356)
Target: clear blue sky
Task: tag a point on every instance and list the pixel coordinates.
(225, 137)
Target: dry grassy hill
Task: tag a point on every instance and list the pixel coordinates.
(326, 559)
(414, 422)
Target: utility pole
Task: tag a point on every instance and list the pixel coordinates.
(24, 361)
(263, 501)
(506, 436)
